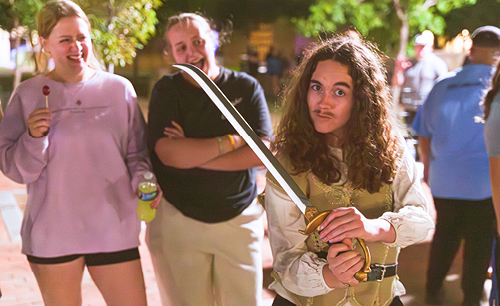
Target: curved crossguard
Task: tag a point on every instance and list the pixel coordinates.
(312, 215)
(317, 219)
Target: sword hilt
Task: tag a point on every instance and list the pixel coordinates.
(315, 219)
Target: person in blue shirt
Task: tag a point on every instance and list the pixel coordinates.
(453, 151)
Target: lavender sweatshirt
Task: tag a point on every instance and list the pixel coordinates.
(81, 177)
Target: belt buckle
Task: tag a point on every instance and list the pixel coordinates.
(379, 276)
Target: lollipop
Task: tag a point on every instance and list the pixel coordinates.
(46, 93)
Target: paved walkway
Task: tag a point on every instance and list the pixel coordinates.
(17, 282)
(19, 286)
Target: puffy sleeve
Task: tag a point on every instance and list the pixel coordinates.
(22, 157)
(137, 153)
(410, 217)
(300, 271)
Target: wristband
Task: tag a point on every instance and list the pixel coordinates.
(219, 144)
(231, 139)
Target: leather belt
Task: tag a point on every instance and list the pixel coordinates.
(379, 272)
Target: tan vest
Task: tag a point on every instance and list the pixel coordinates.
(372, 206)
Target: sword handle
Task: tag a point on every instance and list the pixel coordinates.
(313, 225)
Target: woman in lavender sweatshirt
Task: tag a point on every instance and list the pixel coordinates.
(75, 137)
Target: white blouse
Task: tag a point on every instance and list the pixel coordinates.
(300, 270)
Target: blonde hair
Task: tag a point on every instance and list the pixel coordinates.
(184, 18)
(48, 17)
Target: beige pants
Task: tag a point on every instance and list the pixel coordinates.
(199, 263)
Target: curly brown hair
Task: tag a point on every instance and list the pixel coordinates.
(372, 148)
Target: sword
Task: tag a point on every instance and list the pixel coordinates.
(313, 216)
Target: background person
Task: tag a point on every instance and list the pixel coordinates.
(251, 63)
(81, 159)
(343, 162)
(275, 68)
(492, 139)
(206, 239)
(453, 151)
(417, 77)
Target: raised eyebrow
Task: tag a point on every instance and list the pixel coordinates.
(342, 84)
(336, 84)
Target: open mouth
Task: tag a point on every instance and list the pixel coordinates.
(75, 57)
(199, 63)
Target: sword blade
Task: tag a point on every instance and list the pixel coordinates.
(244, 130)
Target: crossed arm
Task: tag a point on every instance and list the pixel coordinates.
(177, 151)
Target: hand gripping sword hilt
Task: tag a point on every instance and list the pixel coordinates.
(315, 219)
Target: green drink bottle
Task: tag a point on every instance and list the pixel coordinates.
(147, 192)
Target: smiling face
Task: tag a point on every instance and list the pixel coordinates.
(330, 100)
(69, 45)
(192, 43)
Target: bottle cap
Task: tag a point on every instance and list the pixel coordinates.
(148, 175)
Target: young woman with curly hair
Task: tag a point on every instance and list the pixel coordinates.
(338, 140)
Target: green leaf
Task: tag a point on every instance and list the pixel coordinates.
(377, 19)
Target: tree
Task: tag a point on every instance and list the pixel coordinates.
(387, 22)
(244, 14)
(484, 12)
(18, 18)
(119, 27)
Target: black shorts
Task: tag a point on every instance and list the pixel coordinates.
(95, 259)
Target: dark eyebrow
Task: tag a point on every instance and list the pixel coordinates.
(336, 84)
(342, 84)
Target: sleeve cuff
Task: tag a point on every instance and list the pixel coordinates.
(411, 224)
